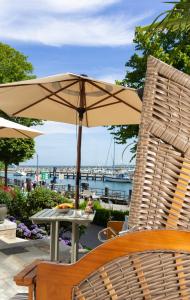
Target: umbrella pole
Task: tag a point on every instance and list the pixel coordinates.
(79, 140)
(75, 226)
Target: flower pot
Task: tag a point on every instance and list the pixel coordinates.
(3, 213)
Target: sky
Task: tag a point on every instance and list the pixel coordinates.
(93, 37)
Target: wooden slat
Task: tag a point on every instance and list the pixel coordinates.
(142, 279)
(108, 284)
(79, 294)
(180, 193)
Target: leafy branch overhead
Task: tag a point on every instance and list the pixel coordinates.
(166, 45)
(175, 19)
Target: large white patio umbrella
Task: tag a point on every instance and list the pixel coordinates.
(9, 129)
(73, 99)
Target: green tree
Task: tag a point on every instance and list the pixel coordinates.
(14, 67)
(162, 44)
(13, 151)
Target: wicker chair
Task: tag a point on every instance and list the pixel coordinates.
(151, 264)
(161, 188)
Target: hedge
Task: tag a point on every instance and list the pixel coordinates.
(103, 215)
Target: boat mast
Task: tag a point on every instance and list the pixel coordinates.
(113, 155)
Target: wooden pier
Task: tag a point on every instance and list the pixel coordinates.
(70, 173)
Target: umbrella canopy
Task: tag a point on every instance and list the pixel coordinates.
(10, 129)
(63, 97)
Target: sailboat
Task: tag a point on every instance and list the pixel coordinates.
(121, 177)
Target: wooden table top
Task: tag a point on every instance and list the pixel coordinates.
(50, 215)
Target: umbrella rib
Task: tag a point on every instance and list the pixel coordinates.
(60, 90)
(64, 104)
(40, 100)
(111, 95)
(22, 133)
(86, 111)
(108, 104)
(107, 97)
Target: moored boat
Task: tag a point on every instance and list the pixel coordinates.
(118, 178)
(19, 173)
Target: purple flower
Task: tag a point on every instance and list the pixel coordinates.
(39, 236)
(66, 241)
(22, 226)
(34, 231)
(27, 232)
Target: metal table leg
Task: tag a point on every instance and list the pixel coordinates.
(54, 241)
(75, 242)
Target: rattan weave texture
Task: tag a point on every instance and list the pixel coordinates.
(161, 187)
(153, 275)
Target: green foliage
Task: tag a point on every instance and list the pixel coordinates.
(175, 19)
(5, 198)
(13, 151)
(15, 67)
(17, 207)
(96, 205)
(162, 44)
(1, 165)
(103, 215)
(41, 198)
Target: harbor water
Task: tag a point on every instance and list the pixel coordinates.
(94, 184)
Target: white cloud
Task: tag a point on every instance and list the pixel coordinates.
(60, 23)
(58, 6)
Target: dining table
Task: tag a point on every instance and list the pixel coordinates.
(54, 216)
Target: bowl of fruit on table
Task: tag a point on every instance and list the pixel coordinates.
(64, 207)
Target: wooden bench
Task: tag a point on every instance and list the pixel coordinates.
(152, 264)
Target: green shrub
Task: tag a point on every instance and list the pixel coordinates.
(103, 215)
(18, 205)
(5, 197)
(42, 198)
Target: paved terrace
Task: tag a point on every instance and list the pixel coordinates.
(14, 257)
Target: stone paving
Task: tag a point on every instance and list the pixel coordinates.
(14, 257)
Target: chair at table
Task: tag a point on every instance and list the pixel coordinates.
(152, 264)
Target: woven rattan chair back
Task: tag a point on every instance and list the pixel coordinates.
(161, 187)
(139, 277)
